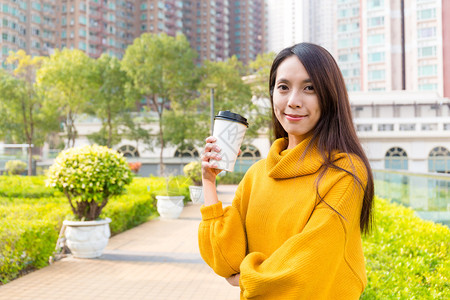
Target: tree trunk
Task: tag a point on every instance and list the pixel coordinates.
(30, 158)
(161, 140)
(109, 128)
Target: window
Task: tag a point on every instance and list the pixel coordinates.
(385, 127)
(82, 46)
(427, 51)
(375, 21)
(36, 5)
(430, 70)
(36, 19)
(374, 4)
(426, 14)
(376, 75)
(428, 87)
(187, 151)
(376, 39)
(396, 159)
(426, 32)
(439, 160)
(82, 20)
(128, 151)
(376, 57)
(407, 127)
(364, 127)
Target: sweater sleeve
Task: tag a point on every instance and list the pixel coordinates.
(221, 237)
(307, 263)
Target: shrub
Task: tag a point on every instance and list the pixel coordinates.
(15, 167)
(193, 170)
(25, 187)
(230, 178)
(171, 186)
(406, 257)
(29, 227)
(89, 176)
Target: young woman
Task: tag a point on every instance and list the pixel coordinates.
(294, 228)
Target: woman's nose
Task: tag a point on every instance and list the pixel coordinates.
(295, 100)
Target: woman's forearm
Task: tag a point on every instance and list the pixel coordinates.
(210, 193)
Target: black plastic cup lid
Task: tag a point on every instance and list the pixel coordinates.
(229, 116)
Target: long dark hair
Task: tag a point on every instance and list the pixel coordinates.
(335, 129)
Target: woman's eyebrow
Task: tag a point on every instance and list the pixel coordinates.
(284, 80)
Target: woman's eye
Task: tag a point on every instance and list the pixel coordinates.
(309, 88)
(283, 87)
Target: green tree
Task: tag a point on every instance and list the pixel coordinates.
(111, 101)
(23, 113)
(259, 82)
(230, 91)
(162, 70)
(66, 78)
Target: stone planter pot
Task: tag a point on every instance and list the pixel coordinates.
(87, 239)
(196, 193)
(169, 207)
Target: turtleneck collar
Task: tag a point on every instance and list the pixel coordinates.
(292, 163)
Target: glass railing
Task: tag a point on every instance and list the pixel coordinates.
(427, 194)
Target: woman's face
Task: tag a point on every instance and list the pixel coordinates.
(295, 101)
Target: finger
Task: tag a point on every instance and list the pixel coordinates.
(211, 155)
(208, 165)
(210, 139)
(211, 147)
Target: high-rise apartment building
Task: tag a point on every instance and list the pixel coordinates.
(109, 26)
(248, 28)
(96, 26)
(383, 45)
(320, 28)
(285, 24)
(206, 25)
(28, 25)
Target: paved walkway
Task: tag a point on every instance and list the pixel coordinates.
(156, 260)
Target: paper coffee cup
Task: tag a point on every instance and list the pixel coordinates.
(229, 130)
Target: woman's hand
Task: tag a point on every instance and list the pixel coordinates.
(234, 280)
(211, 151)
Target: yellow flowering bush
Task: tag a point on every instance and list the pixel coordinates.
(193, 170)
(89, 176)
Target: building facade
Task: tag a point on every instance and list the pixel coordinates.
(384, 45)
(248, 29)
(285, 24)
(215, 29)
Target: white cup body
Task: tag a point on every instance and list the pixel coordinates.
(229, 136)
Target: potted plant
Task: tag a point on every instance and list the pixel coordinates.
(170, 200)
(193, 170)
(89, 176)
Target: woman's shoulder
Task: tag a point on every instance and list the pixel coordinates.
(350, 163)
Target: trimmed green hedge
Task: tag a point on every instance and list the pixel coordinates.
(406, 257)
(30, 223)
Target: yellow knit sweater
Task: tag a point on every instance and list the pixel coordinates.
(283, 244)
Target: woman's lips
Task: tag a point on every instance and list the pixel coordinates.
(294, 117)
